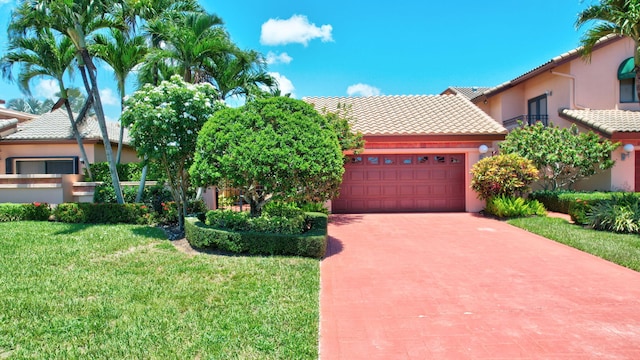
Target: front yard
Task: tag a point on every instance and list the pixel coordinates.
(622, 249)
(123, 291)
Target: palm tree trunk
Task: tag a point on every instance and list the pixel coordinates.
(143, 179)
(76, 133)
(102, 124)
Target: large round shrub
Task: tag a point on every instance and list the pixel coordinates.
(506, 175)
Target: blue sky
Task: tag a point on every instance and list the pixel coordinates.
(340, 48)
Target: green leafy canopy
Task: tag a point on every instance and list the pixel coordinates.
(562, 155)
(273, 148)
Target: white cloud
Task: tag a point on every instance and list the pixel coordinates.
(273, 58)
(296, 29)
(2, 2)
(108, 97)
(285, 85)
(47, 89)
(362, 90)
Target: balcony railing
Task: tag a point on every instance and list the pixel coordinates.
(526, 120)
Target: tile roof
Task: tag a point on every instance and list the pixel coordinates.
(55, 125)
(556, 61)
(414, 115)
(468, 92)
(7, 122)
(605, 121)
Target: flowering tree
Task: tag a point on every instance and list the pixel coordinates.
(164, 123)
(562, 155)
(273, 148)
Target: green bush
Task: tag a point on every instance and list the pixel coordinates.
(69, 213)
(126, 172)
(507, 175)
(94, 213)
(313, 207)
(554, 200)
(312, 243)
(510, 207)
(37, 211)
(18, 212)
(228, 219)
(11, 212)
(241, 221)
(620, 213)
(282, 209)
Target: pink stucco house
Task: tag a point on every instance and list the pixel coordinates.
(598, 95)
(40, 159)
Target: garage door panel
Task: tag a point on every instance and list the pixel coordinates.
(390, 174)
(373, 175)
(356, 175)
(401, 183)
(422, 174)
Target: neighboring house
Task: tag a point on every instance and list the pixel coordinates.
(418, 152)
(596, 95)
(46, 145)
(468, 92)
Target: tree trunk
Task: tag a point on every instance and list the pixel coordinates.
(143, 179)
(102, 124)
(76, 133)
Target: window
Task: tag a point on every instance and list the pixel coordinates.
(42, 165)
(627, 77)
(440, 159)
(373, 160)
(423, 159)
(388, 161)
(628, 93)
(356, 160)
(538, 110)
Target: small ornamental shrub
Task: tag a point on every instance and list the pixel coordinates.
(228, 219)
(620, 213)
(69, 213)
(241, 221)
(11, 212)
(282, 209)
(126, 172)
(314, 207)
(510, 207)
(502, 175)
(37, 211)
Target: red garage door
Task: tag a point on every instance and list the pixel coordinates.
(402, 183)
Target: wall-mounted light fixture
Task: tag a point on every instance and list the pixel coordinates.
(483, 150)
(628, 148)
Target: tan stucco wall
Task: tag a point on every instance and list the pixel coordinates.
(128, 154)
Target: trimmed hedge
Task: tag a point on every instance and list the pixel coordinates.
(576, 204)
(312, 243)
(20, 212)
(126, 172)
(93, 213)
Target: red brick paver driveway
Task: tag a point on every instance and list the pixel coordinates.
(459, 286)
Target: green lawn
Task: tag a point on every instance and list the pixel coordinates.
(622, 249)
(124, 292)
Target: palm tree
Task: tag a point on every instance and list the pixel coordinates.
(188, 43)
(239, 73)
(612, 17)
(43, 56)
(123, 53)
(30, 105)
(76, 20)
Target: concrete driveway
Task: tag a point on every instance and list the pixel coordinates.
(460, 286)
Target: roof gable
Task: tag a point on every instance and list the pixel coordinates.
(413, 115)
